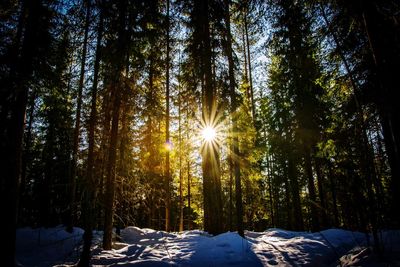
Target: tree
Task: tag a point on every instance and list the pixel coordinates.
(372, 50)
(29, 44)
(78, 118)
(294, 45)
(89, 195)
(210, 157)
(235, 140)
(117, 61)
(167, 138)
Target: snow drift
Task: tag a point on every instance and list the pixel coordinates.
(147, 247)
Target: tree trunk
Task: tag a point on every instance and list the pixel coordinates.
(110, 171)
(235, 138)
(26, 154)
(311, 189)
(75, 147)
(189, 216)
(230, 211)
(253, 110)
(119, 58)
(180, 162)
(210, 155)
(167, 161)
(189, 195)
(333, 192)
(321, 193)
(294, 186)
(269, 184)
(287, 201)
(246, 78)
(89, 211)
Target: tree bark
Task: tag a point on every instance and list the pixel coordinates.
(311, 189)
(110, 172)
(294, 186)
(26, 153)
(119, 60)
(235, 139)
(230, 206)
(167, 160)
(75, 148)
(210, 155)
(89, 211)
(252, 104)
(333, 192)
(269, 184)
(189, 217)
(180, 162)
(321, 193)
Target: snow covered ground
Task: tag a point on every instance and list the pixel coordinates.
(147, 247)
(45, 247)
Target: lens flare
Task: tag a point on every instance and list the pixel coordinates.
(168, 145)
(208, 133)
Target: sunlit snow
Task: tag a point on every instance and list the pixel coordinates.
(147, 247)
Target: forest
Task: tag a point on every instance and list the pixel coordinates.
(220, 115)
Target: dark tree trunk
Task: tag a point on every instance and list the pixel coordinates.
(235, 155)
(210, 155)
(253, 109)
(26, 154)
(75, 147)
(294, 186)
(311, 189)
(189, 195)
(110, 172)
(333, 192)
(189, 216)
(13, 127)
(269, 184)
(287, 201)
(90, 196)
(180, 161)
(119, 61)
(230, 205)
(321, 193)
(167, 160)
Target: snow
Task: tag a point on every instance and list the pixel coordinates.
(147, 247)
(45, 247)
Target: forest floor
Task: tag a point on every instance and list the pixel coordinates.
(147, 247)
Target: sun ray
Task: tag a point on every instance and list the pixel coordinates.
(208, 134)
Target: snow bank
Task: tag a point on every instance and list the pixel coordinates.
(47, 246)
(190, 248)
(361, 256)
(147, 247)
(277, 246)
(133, 234)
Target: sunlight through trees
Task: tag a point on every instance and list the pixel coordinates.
(211, 114)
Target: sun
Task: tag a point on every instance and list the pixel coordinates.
(209, 134)
(168, 145)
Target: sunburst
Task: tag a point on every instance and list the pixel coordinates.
(208, 134)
